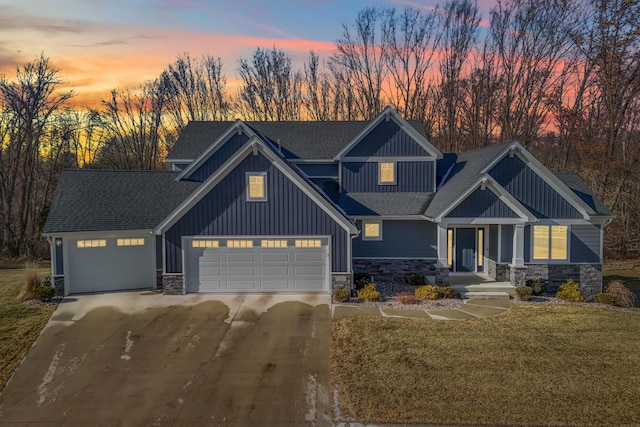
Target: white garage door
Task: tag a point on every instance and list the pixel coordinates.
(257, 265)
(109, 264)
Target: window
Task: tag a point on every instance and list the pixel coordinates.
(138, 241)
(480, 247)
(550, 242)
(273, 243)
(256, 185)
(450, 247)
(97, 243)
(239, 243)
(205, 244)
(309, 243)
(387, 173)
(372, 230)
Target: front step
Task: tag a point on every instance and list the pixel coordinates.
(488, 287)
(485, 295)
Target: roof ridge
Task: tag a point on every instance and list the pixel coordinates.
(119, 170)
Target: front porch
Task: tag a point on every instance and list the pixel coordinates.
(478, 286)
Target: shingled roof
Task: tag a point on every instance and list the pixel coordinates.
(107, 200)
(385, 203)
(578, 186)
(297, 140)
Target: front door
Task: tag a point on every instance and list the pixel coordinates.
(465, 250)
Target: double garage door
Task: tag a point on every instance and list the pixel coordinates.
(256, 264)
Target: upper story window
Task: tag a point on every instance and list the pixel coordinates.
(386, 173)
(372, 230)
(256, 187)
(550, 242)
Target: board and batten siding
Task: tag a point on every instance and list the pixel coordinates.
(387, 139)
(585, 243)
(482, 204)
(220, 156)
(493, 242)
(362, 177)
(506, 243)
(400, 239)
(225, 211)
(531, 190)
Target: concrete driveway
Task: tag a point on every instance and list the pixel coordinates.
(140, 358)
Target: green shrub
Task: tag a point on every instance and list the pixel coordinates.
(624, 297)
(605, 298)
(44, 293)
(427, 292)
(537, 287)
(524, 293)
(341, 295)
(369, 293)
(361, 280)
(445, 291)
(414, 279)
(570, 291)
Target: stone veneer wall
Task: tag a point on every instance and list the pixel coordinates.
(503, 273)
(491, 268)
(588, 275)
(341, 280)
(172, 285)
(383, 270)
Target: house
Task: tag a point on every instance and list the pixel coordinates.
(300, 206)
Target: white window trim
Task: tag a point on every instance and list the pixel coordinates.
(367, 221)
(549, 259)
(264, 184)
(395, 173)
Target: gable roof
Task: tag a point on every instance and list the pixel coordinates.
(582, 190)
(254, 144)
(389, 204)
(109, 200)
(302, 140)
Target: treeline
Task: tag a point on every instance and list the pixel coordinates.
(560, 76)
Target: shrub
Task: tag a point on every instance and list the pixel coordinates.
(342, 295)
(369, 293)
(427, 292)
(624, 297)
(407, 298)
(570, 291)
(44, 293)
(361, 280)
(414, 279)
(537, 287)
(31, 282)
(524, 293)
(445, 291)
(606, 298)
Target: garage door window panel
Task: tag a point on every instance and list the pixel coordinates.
(273, 243)
(239, 244)
(205, 244)
(93, 243)
(135, 241)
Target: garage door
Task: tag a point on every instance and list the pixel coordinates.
(108, 264)
(257, 265)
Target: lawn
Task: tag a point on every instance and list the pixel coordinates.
(627, 271)
(534, 365)
(20, 325)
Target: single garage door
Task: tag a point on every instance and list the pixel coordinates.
(109, 264)
(257, 265)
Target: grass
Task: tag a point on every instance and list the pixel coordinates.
(20, 325)
(535, 365)
(628, 272)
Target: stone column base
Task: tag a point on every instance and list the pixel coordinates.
(442, 275)
(58, 285)
(518, 275)
(341, 281)
(173, 285)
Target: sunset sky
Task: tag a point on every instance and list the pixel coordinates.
(99, 45)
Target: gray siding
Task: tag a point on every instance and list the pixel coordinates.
(220, 156)
(59, 267)
(585, 243)
(482, 204)
(410, 239)
(531, 190)
(493, 242)
(387, 139)
(159, 252)
(410, 177)
(225, 211)
(506, 243)
(319, 169)
(527, 243)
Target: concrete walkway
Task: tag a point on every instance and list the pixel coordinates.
(471, 309)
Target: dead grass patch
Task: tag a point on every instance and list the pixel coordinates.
(536, 365)
(20, 325)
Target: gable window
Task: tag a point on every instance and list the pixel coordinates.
(95, 243)
(550, 242)
(372, 230)
(256, 186)
(386, 173)
(139, 241)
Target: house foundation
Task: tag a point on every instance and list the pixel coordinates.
(589, 276)
(387, 270)
(172, 285)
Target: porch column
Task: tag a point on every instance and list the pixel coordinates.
(442, 266)
(518, 246)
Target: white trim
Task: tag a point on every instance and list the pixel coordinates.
(389, 113)
(179, 160)
(101, 233)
